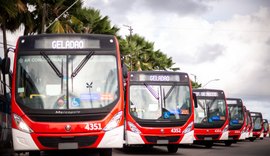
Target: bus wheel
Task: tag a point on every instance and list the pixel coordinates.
(105, 152)
(172, 148)
(209, 144)
(261, 138)
(228, 143)
(34, 153)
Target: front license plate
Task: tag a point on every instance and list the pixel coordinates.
(207, 138)
(70, 145)
(162, 141)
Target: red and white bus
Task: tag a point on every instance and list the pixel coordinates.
(67, 93)
(265, 128)
(258, 125)
(211, 117)
(236, 119)
(249, 128)
(159, 109)
(246, 125)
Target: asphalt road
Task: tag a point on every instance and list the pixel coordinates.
(245, 148)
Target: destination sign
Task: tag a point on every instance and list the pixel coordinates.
(207, 94)
(233, 101)
(66, 43)
(159, 77)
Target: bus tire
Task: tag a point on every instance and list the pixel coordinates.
(34, 153)
(228, 143)
(172, 148)
(105, 152)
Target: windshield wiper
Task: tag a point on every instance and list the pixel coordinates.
(151, 90)
(59, 74)
(201, 105)
(82, 63)
(212, 103)
(169, 92)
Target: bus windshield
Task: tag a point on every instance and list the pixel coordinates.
(210, 110)
(162, 102)
(257, 120)
(265, 126)
(57, 82)
(236, 115)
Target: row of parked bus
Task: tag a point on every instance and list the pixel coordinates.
(71, 91)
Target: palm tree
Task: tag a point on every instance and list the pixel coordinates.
(46, 12)
(140, 55)
(8, 13)
(93, 22)
(196, 85)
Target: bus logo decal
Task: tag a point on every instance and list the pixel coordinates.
(68, 128)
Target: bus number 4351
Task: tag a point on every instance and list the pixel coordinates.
(93, 126)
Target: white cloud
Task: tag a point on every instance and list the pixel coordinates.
(235, 50)
(232, 39)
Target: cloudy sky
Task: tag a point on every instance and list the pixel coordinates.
(212, 39)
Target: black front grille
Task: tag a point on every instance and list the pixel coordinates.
(209, 125)
(235, 127)
(52, 142)
(201, 137)
(66, 118)
(153, 139)
(256, 130)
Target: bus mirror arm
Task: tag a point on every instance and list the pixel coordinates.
(5, 65)
(124, 71)
(195, 100)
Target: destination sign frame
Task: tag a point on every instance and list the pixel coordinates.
(209, 93)
(66, 42)
(158, 77)
(231, 101)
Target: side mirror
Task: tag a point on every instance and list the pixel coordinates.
(195, 100)
(124, 67)
(125, 71)
(5, 65)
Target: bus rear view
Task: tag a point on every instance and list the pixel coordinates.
(211, 117)
(67, 93)
(236, 119)
(159, 109)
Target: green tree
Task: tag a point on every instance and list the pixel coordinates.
(196, 85)
(75, 20)
(9, 10)
(45, 12)
(91, 21)
(140, 55)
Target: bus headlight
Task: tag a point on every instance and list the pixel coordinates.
(133, 128)
(114, 122)
(189, 128)
(21, 124)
